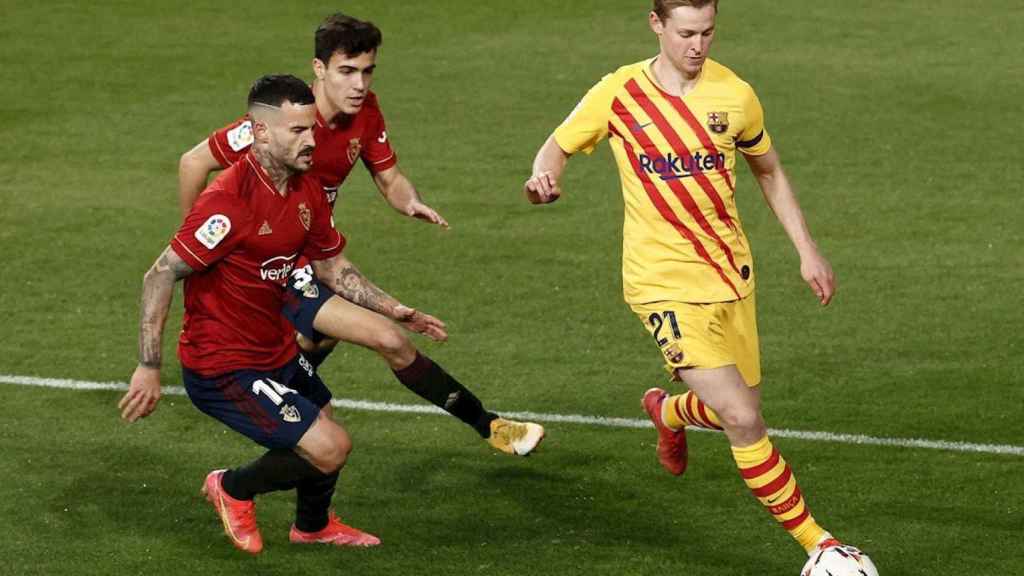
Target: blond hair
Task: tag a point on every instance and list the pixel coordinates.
(663, 7)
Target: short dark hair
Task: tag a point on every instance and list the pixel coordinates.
(276, 89)
(345, 34)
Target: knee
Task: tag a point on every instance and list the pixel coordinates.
(334, 454)
(395, 347)
(746, 421)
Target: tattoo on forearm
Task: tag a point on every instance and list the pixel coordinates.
(175, 265)
(157, 290)
(351, 285)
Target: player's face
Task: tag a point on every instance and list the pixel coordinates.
(291, 136)
(685, 36)
(346, 79)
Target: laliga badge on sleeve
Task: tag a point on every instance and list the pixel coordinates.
(214, 230)
(240, 137)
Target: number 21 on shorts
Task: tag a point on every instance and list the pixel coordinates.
(658, 322)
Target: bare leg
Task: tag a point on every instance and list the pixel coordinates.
(737, 405)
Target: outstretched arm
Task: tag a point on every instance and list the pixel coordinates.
(341, 276)
(542, 186)
(778, 192)
(194, 168)
(402, 196)
(157, 290)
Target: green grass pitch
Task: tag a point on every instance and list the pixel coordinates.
(898, 122)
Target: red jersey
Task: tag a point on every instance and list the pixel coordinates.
(242, 239)
(362, 135)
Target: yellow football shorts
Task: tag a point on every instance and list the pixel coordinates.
(705, 335)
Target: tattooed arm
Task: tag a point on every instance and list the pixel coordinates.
(157, 290)
(341, 276)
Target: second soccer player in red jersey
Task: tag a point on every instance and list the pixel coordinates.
(349, 128)
(240, 362)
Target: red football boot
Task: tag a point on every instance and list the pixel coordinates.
(238, 516)
(672, 452)
(334, 533)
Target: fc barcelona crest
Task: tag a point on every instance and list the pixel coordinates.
(354, 148)
(718, 122)
(305, 215)
(672, 353)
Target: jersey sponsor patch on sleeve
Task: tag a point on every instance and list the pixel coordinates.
(240, 137)
(383, 136)
(214, 230)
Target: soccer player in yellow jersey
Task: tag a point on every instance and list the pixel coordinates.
(675, 123)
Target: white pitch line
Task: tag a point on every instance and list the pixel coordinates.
(1004, 449)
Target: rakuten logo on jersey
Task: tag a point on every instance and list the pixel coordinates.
(277, 269)
(673, 167)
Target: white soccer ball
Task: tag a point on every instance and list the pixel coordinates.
(841, 560)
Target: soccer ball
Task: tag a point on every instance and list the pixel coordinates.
(841, 560)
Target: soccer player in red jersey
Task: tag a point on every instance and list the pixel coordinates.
(349, 127)
(240, 362)
(676, 124)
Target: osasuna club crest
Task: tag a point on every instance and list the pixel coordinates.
(354, 148)
(310, 290)
(290, 413)
(718, 122)
(305, 215)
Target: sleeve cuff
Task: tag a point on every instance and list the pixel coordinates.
(190, 258)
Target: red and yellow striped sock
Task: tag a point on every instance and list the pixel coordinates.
(771, 480)
(687, 410)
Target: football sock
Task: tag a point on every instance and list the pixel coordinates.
(278, 469)
(432, 383)
(313, 502)
(687, 410)
(771, 480)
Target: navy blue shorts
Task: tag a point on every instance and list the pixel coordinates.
(303, 298)
(274, 408)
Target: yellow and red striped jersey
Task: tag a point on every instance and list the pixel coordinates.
(682, 238)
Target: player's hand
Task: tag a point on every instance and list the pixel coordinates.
(817, 272)
(416, 321)
(417, 209)
(143, 394)
(542, 188)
